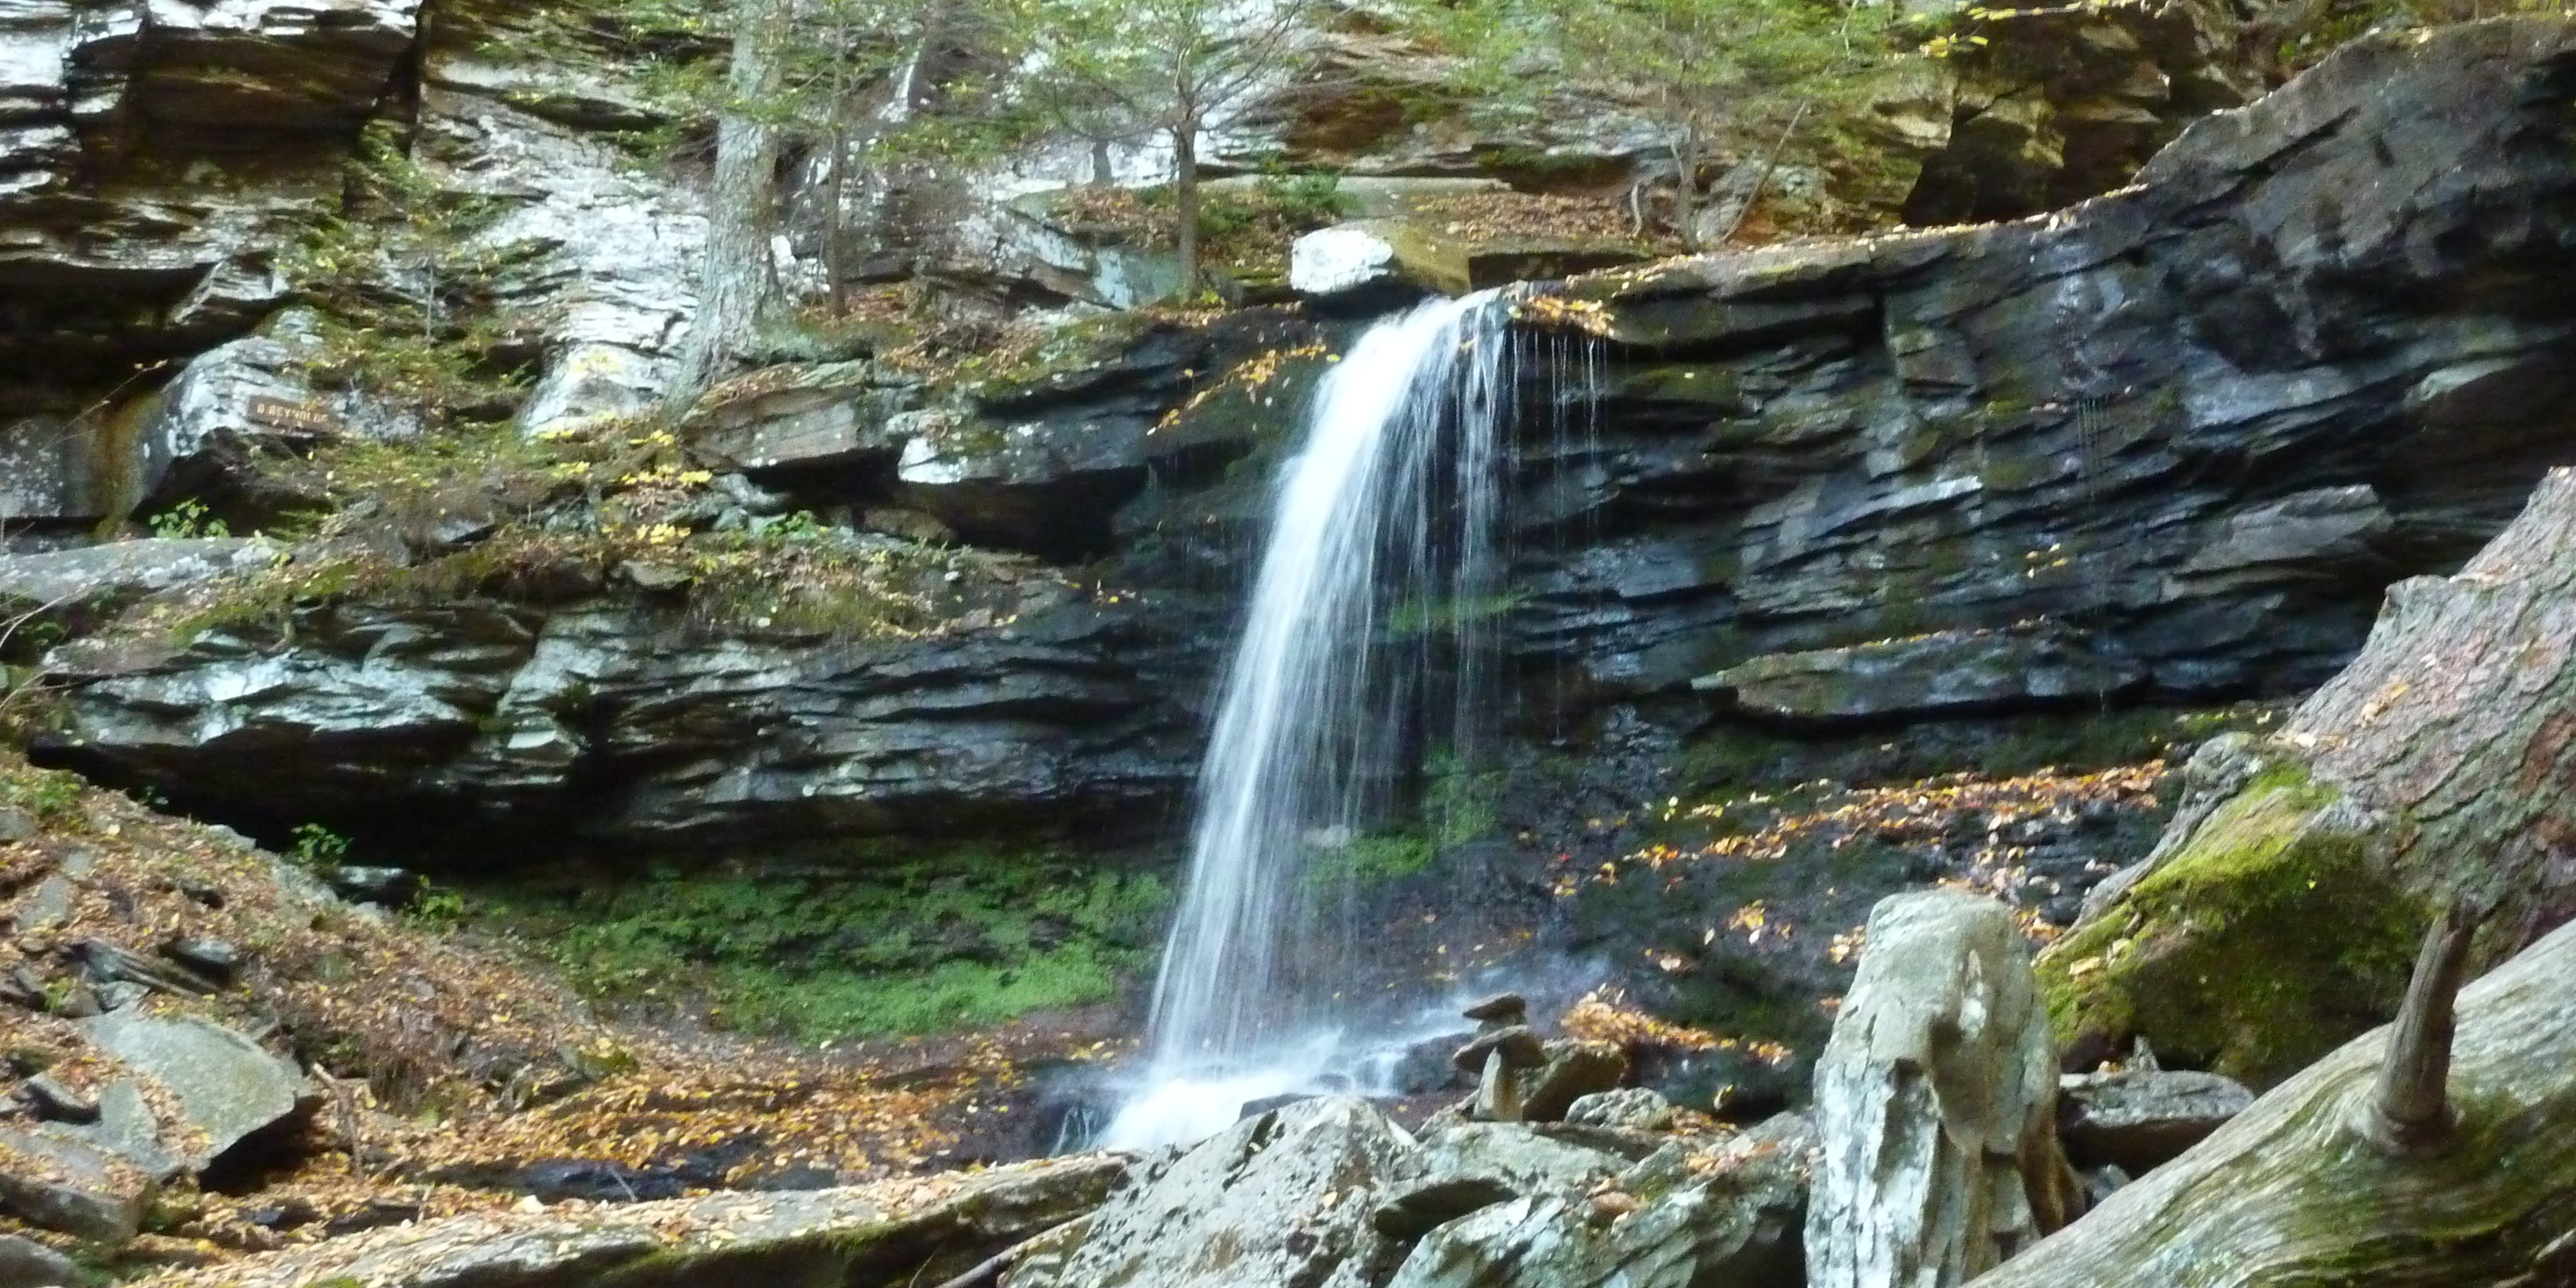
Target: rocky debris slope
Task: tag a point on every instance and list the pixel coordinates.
(2166, 443)
(208, 1053)
(2278, 917)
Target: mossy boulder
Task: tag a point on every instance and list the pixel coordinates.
(2265, 942)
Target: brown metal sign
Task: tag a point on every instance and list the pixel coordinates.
(301, 417)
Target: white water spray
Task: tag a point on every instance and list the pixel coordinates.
(1384, 545)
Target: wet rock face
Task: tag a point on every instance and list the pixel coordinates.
(2166, 446)
(140, 93)
(2193, 427)
(619, 716)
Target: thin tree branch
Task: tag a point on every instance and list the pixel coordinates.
(1770, 161)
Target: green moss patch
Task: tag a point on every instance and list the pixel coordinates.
(2268, 941)
(884, 942)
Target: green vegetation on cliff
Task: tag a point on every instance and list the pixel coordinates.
(893, 941)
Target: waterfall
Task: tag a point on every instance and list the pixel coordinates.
(1375, 605)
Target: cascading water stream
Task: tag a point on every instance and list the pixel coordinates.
(1384, 548)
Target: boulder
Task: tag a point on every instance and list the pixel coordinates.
(1574, 1069)
(1628, 1109)
(1515, 1156)
(63, 1184)
(1376, 260)
(1282, 1198)
(82, 587)
(229, 1088)
(1674, 1221)
(2139, 1120)
(1502, 1058)
(25, 1263)
(1936, 1104)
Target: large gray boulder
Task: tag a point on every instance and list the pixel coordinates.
(1935, 1104)
(1514, 1155)
(229, 1088)
(1680, 1219)
(1280, 1198)
(67, 1185)
(1376, 258)
(25, 1263)
(81, 587)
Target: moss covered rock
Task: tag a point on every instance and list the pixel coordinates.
(2279, 918)
(2267, 940)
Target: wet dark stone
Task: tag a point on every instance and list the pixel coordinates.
(212, 959)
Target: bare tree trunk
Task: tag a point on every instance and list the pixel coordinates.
(2295, 1191)
(1686, 159)
(738, 284)
(1762, 180)
(836, 181)
(1185, 202)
